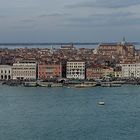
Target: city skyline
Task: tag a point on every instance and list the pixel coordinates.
(65, 21)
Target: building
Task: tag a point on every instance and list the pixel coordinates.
(75, 70)
(108, 72)
(25, 70)
(117, 50)
(47, 71)
(107, 49)
(68, 47)
(118, 71)
(94, 72)
(118, 74)
(98, 72)
(131, 70)
(5, 72)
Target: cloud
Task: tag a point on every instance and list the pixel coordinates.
(53, 15)
(28, 20)
(104, 20)
(106, 4)
(114, 15)
(2, 16)
(49, 15)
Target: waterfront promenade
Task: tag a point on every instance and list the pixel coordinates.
(69, 83)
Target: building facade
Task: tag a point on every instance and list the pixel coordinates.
(75, 70)
(47, 71)
(26, 70)
(131, 70)
(118, 74)
(108, 72)
(94, 72)
(5, 72)
(116, 49)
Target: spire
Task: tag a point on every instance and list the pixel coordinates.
(123, 41)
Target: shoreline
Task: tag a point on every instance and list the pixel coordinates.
(73, 84)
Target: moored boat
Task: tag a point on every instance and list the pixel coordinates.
(84, 85)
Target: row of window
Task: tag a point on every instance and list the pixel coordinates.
(24, 74)
(28, 74)
(24, 68)
(75, 69)
(5, 71)
(5, 77)
(70, 76)
(82, 63)
(77, 73)
(75, 66)
(134, 65)
(45, 73)
(49, 67)
(72, 72)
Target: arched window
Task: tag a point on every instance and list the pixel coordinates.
(9, 77)
(5, 77)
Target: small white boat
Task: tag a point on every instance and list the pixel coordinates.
(101, 103)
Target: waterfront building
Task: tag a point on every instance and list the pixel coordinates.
(118, 74)
(75, 70)
(131, 70)
(94, 72)
(5, 72)
(25, 70)
(118, 71)
(47, 71)
(108, 72)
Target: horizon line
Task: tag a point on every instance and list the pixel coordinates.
(62, 43)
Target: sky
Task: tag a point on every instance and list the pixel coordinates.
(69, 21)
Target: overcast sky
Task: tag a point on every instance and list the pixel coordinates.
(69, 21)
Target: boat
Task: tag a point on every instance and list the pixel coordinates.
(84, 85)
(105, 85)
(116, 85)
(110, 85)
(101, 103)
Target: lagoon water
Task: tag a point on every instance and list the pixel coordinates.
(69, 113)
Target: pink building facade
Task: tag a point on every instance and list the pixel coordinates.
(47, 71)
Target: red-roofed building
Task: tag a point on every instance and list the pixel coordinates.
(94, 72)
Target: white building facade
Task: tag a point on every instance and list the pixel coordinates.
(5, 72)
(131, 70)
(75, 70)
(24, 71)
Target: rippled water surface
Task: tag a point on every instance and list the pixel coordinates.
(69, 114)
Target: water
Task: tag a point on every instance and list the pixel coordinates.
(44, 46)
(69, 114)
